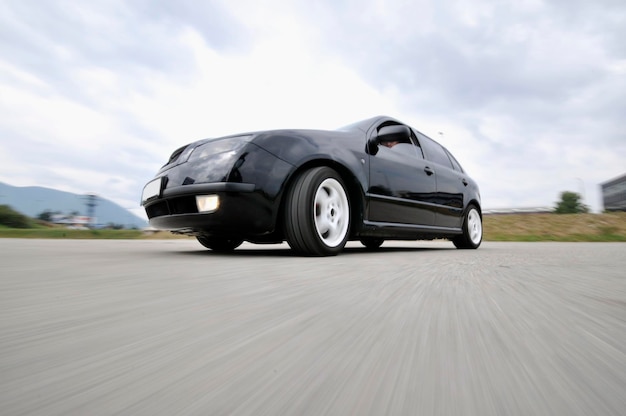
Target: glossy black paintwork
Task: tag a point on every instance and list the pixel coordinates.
(400, 190)
(394, 194)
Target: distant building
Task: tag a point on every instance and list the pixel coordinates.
(73, 221)
(614, 194)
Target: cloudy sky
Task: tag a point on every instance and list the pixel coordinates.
(529, 95)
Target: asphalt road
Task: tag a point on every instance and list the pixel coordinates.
(167, 328)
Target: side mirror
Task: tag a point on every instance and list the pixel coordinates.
(395, 133)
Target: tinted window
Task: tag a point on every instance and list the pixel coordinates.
(416, 142)
(455, 163)
(434, 151)
(403, 147)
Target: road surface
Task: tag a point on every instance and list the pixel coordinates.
(166, 327)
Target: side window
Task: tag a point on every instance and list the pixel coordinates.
(418, 147)
(435, 152)
(410, 147)
(455, 164)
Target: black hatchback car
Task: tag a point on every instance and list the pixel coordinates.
(371, 181)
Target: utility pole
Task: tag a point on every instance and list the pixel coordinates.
(92, 202)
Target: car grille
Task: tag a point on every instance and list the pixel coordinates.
(174, 206)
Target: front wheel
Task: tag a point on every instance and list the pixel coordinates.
(472, 230)
(219, 243)
(317, 213)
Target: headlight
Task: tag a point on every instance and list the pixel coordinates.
(225, 148)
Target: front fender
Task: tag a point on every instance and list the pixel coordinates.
(301, 149)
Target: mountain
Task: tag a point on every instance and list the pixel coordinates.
(33, 200)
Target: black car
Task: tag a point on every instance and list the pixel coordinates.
(371, 181)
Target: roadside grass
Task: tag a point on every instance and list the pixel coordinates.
(47, 231)
(609, 227)
(164, 235)
(58, 232)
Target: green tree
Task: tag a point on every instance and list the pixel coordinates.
(45, 216)
(11, 218)
(570, 203)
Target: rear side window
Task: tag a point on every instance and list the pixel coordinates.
(435, 152)
(455, 163)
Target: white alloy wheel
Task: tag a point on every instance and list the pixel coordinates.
(472, 234)
(317, 213)
(474, 226)
(332, 212)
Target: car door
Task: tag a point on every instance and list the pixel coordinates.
(402, 186)
(450, 184)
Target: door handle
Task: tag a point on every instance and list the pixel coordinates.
(428, 170)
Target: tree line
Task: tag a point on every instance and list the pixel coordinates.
(14, 219)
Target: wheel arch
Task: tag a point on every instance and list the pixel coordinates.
(354, 189)
(475, 203)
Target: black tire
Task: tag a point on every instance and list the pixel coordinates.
(472, 230)
(317, 213)
(372, 243)
(219, 243)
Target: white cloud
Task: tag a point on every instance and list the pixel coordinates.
(272, 87)
(52, 120)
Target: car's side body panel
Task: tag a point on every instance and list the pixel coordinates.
(400, 190)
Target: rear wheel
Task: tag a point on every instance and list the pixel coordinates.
(219, 243)
(372, 243)
(472, 230)
(317, 213)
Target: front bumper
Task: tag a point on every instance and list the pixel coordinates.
(248, 189)
(242, 210)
